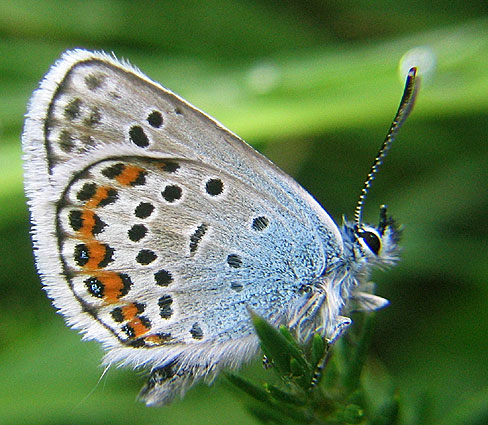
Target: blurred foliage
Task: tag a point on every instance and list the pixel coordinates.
(312, 84)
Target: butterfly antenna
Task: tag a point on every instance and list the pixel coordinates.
(406, 105)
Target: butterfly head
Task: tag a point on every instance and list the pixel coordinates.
(376, 244)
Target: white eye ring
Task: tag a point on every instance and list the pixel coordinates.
(370, 239)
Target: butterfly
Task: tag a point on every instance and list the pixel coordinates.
(157, 231)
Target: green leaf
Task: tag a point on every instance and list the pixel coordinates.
(284, 396)
(318, 350)
(294, 346)
(271, 416)
(248, 387)
(275, 345)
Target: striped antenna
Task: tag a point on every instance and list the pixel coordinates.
(406, 105)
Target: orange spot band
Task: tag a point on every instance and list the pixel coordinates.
(130, 311)
(88, 223)
(97, 252)
(100, 195)
(129, 175)
(113, 287)
(139, 328)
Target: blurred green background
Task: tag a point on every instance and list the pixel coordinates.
(314, 85)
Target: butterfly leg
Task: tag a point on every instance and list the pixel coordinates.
(317, 375)
(267, 362)
(338, 328)
(341, 324)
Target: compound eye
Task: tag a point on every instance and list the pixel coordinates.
(372, 240)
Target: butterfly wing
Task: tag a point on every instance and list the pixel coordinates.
(156, 228)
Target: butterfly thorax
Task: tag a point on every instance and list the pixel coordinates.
(345, 286)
